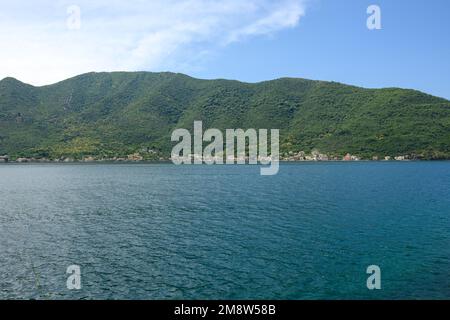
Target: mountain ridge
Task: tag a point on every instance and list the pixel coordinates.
(13, 79)
(119, 113)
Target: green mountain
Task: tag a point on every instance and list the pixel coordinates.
(116, 114)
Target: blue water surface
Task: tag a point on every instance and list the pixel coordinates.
(160, 231)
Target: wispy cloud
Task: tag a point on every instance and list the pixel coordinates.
(39, 48)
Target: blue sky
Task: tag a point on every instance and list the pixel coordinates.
(252, 40)
(332, 42)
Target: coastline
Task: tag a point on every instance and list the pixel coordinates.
(170, 162)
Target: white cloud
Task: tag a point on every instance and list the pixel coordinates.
(39, 48)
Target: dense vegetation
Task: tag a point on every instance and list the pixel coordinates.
(116, 114)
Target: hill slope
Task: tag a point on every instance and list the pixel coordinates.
(115, 114)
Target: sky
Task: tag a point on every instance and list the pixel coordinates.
(46, 41)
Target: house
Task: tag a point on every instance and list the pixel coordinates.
(347, 157)
(401, 158)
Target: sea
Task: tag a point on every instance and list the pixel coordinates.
(161, 231)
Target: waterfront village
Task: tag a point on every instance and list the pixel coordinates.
(300, 156)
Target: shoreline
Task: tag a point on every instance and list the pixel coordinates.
(224, 164)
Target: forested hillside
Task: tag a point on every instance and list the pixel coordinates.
(106, 115)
